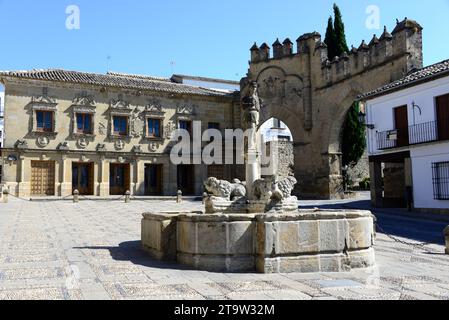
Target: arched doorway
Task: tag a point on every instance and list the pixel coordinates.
(276, 134)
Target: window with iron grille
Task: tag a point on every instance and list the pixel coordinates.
(441, 180)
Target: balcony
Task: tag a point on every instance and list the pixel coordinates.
(417, 134)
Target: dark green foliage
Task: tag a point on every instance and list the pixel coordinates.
(339, 31)
(335, 35)
(365, 184)
(353, 139)
(329, 40)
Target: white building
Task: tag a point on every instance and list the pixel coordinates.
(274, 129)
(209, 83)
(408, 140)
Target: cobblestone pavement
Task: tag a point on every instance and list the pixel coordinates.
(91, 250)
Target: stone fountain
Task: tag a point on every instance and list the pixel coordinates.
(256, 225)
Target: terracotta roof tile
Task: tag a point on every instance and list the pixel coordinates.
(419, 76)
(113, 79)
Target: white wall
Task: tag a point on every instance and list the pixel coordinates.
(422, 159)
(380, 113)
(271, 134)
(380, 110)
(212, 85)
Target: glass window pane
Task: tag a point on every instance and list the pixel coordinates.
(79, 121)
(40, 119)
(87, 122)
(156, 131)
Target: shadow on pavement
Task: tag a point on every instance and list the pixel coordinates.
(420, 227)
(132, 251)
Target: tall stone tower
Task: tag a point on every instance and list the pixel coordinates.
(312, 95)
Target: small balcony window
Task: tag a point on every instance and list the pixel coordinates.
(120, 125)
(44, 121)
(84, 123)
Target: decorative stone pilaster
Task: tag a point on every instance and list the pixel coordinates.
(24, 187)
(103, 177)
(65, 184)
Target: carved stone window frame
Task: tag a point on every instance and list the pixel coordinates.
(156, 114)
(45, 107)
(185, 113)
(77, 109)
(119, 108)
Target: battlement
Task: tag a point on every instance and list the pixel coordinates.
(404, 40)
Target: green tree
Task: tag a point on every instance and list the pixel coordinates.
(329, 39)
(353, 139)
(339, 32)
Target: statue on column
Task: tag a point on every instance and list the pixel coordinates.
(256, 194)
(251, 105)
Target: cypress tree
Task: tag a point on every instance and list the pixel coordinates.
(339, 33)
(353, 140)
(329, 40)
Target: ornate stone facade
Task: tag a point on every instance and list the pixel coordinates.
(93, 154)
(312, 95)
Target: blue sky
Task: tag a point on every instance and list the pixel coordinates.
(203, 37)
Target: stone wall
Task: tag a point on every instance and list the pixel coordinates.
(360, 171)
(312, 95)
(285, 157)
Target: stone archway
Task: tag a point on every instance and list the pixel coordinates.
(279, 147)
(312, 95)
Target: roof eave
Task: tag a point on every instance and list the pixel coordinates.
(403, 86)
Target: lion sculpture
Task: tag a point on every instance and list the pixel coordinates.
(270, 189)
(225, 189)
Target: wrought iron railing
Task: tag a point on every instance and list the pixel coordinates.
(416, 134)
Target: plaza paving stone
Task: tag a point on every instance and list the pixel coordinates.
(91, 250)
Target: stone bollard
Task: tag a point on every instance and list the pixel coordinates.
(128, 197)
(76, 196)
(5, 195)
(179, 197)
(446, 235)
(205, 195)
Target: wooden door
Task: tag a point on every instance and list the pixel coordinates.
(443, 117)
(83, 178)
(153, 180)
(42, 178)
(401, 123)
(119, 181)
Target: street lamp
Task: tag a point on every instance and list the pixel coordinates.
(362, 120)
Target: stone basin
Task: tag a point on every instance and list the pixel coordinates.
(302, 241)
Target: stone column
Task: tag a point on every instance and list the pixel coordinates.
(375, 169)
(138, 178)
(65, 186)
(24, 187)
(132, 175)
(103, 177)
(252, 163)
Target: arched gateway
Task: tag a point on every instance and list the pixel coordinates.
(312, 95)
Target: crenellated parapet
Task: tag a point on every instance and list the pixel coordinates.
(404, 40)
